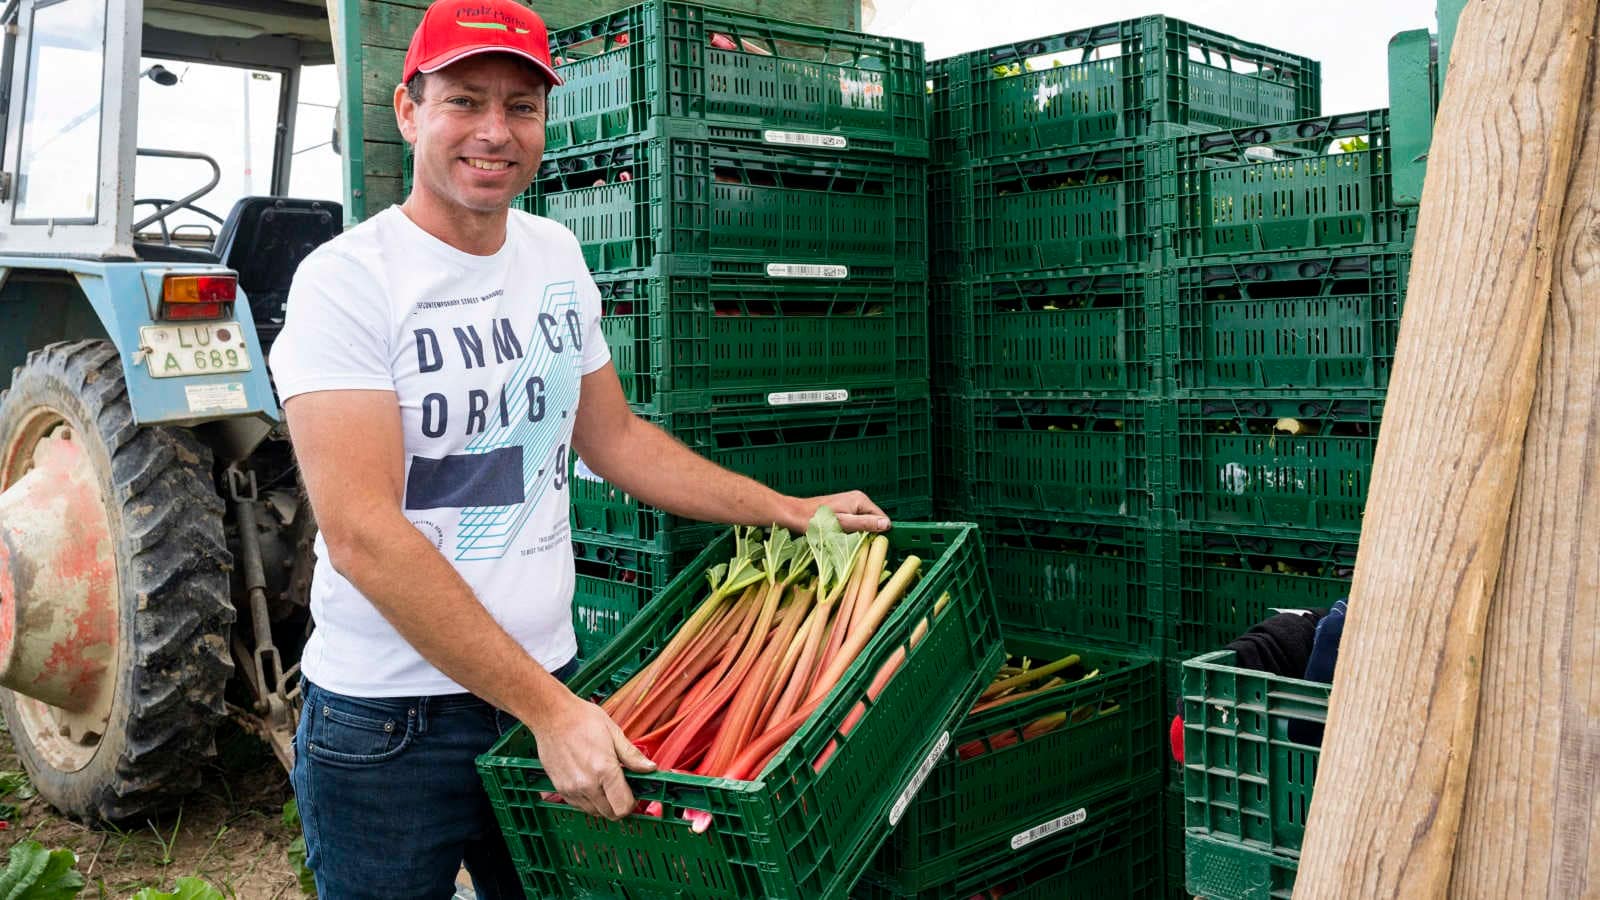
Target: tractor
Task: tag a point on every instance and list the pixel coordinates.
(155, 540)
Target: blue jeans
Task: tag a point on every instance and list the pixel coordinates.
(390, 800)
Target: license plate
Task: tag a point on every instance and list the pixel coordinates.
(175, 350)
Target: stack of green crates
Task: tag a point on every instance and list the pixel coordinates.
(1048, 220)
(1290, 251)
(750, 195)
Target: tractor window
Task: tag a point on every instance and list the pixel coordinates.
(58, 175)
(228, 113)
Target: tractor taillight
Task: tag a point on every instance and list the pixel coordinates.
(198, 296)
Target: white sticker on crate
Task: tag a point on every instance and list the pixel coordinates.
(1045, 829)
(805, 139)
(796, 398)
(225, 397)
(928, 762)
(806, 270)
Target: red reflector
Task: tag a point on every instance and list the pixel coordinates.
(199, 288)
(193, 310)
(217, 288)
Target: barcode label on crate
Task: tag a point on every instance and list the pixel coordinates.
(805, 139)
(805, 270)
(1045, 829)
(796, 398)
(582, 470)
(928, 762)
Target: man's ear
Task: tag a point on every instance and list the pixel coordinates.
(405, 114)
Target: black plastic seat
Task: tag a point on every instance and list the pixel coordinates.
(264, 239)
(172, 253)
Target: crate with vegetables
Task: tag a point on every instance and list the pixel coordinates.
(1084, 456)
(1092, 329)
(795, 694)
(1286, 461)
(1320, 320)
(1226, 580)
(1109, 846)
(1304, 185)
(1095, 581)
(727, 331)
(1121, 81)
(1056, 209)
(1059, 726)
(779, 83)
(802, 213)
(877, 441)
(1252, 741)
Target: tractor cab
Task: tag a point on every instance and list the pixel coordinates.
(125, 130)
(155, 540)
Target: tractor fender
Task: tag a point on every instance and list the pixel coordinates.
(125, 298)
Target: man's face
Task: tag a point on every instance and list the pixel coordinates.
(478, 132)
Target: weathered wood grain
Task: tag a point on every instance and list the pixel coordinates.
(1404, 708)
(1532, 814)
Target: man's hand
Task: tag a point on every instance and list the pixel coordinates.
(855, 510)
(585, 752)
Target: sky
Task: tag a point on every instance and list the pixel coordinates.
(1349, 37)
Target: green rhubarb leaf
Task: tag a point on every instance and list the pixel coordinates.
(34, 873)
(715, 575)
(187, 888)
(779, 552)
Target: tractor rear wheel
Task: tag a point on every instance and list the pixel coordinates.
(147, 572)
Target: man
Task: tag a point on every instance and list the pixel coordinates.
(438, 364)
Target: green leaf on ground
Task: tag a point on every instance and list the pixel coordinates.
(187, 888)
(35, 873)
(297, 861)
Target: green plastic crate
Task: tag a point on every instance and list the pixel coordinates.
(951, 429)
(1058, 209)
(1238, 462)
(794, 832)
(1224, 870)
(1315, 321)
(946, 110)
(1172, 839)
(1413, 103)
(1248, 775)
(993, 803)
(943, 358)
(1062, 330)
(736, 332)
(1115, 851)
(1227, 581)
(1081, 580)
(880, 446)
(1061, 457)
(802, 214)
(611, 584)
(786, 81)
(949, 222)
(1282, 187)
(1118, 81)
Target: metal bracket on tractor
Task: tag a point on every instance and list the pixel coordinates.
(277, 705)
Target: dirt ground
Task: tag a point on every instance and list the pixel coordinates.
(231, 832)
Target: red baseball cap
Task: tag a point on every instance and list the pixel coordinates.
(453, 30)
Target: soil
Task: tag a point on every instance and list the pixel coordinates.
(230, 832)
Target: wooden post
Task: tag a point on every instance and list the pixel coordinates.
(1532, 814)
(1404, 709)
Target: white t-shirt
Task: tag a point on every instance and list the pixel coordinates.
(485, 355)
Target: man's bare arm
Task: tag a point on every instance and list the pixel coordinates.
(351, 452)
(655, 467)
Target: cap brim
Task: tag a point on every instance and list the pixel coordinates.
(437, 63)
